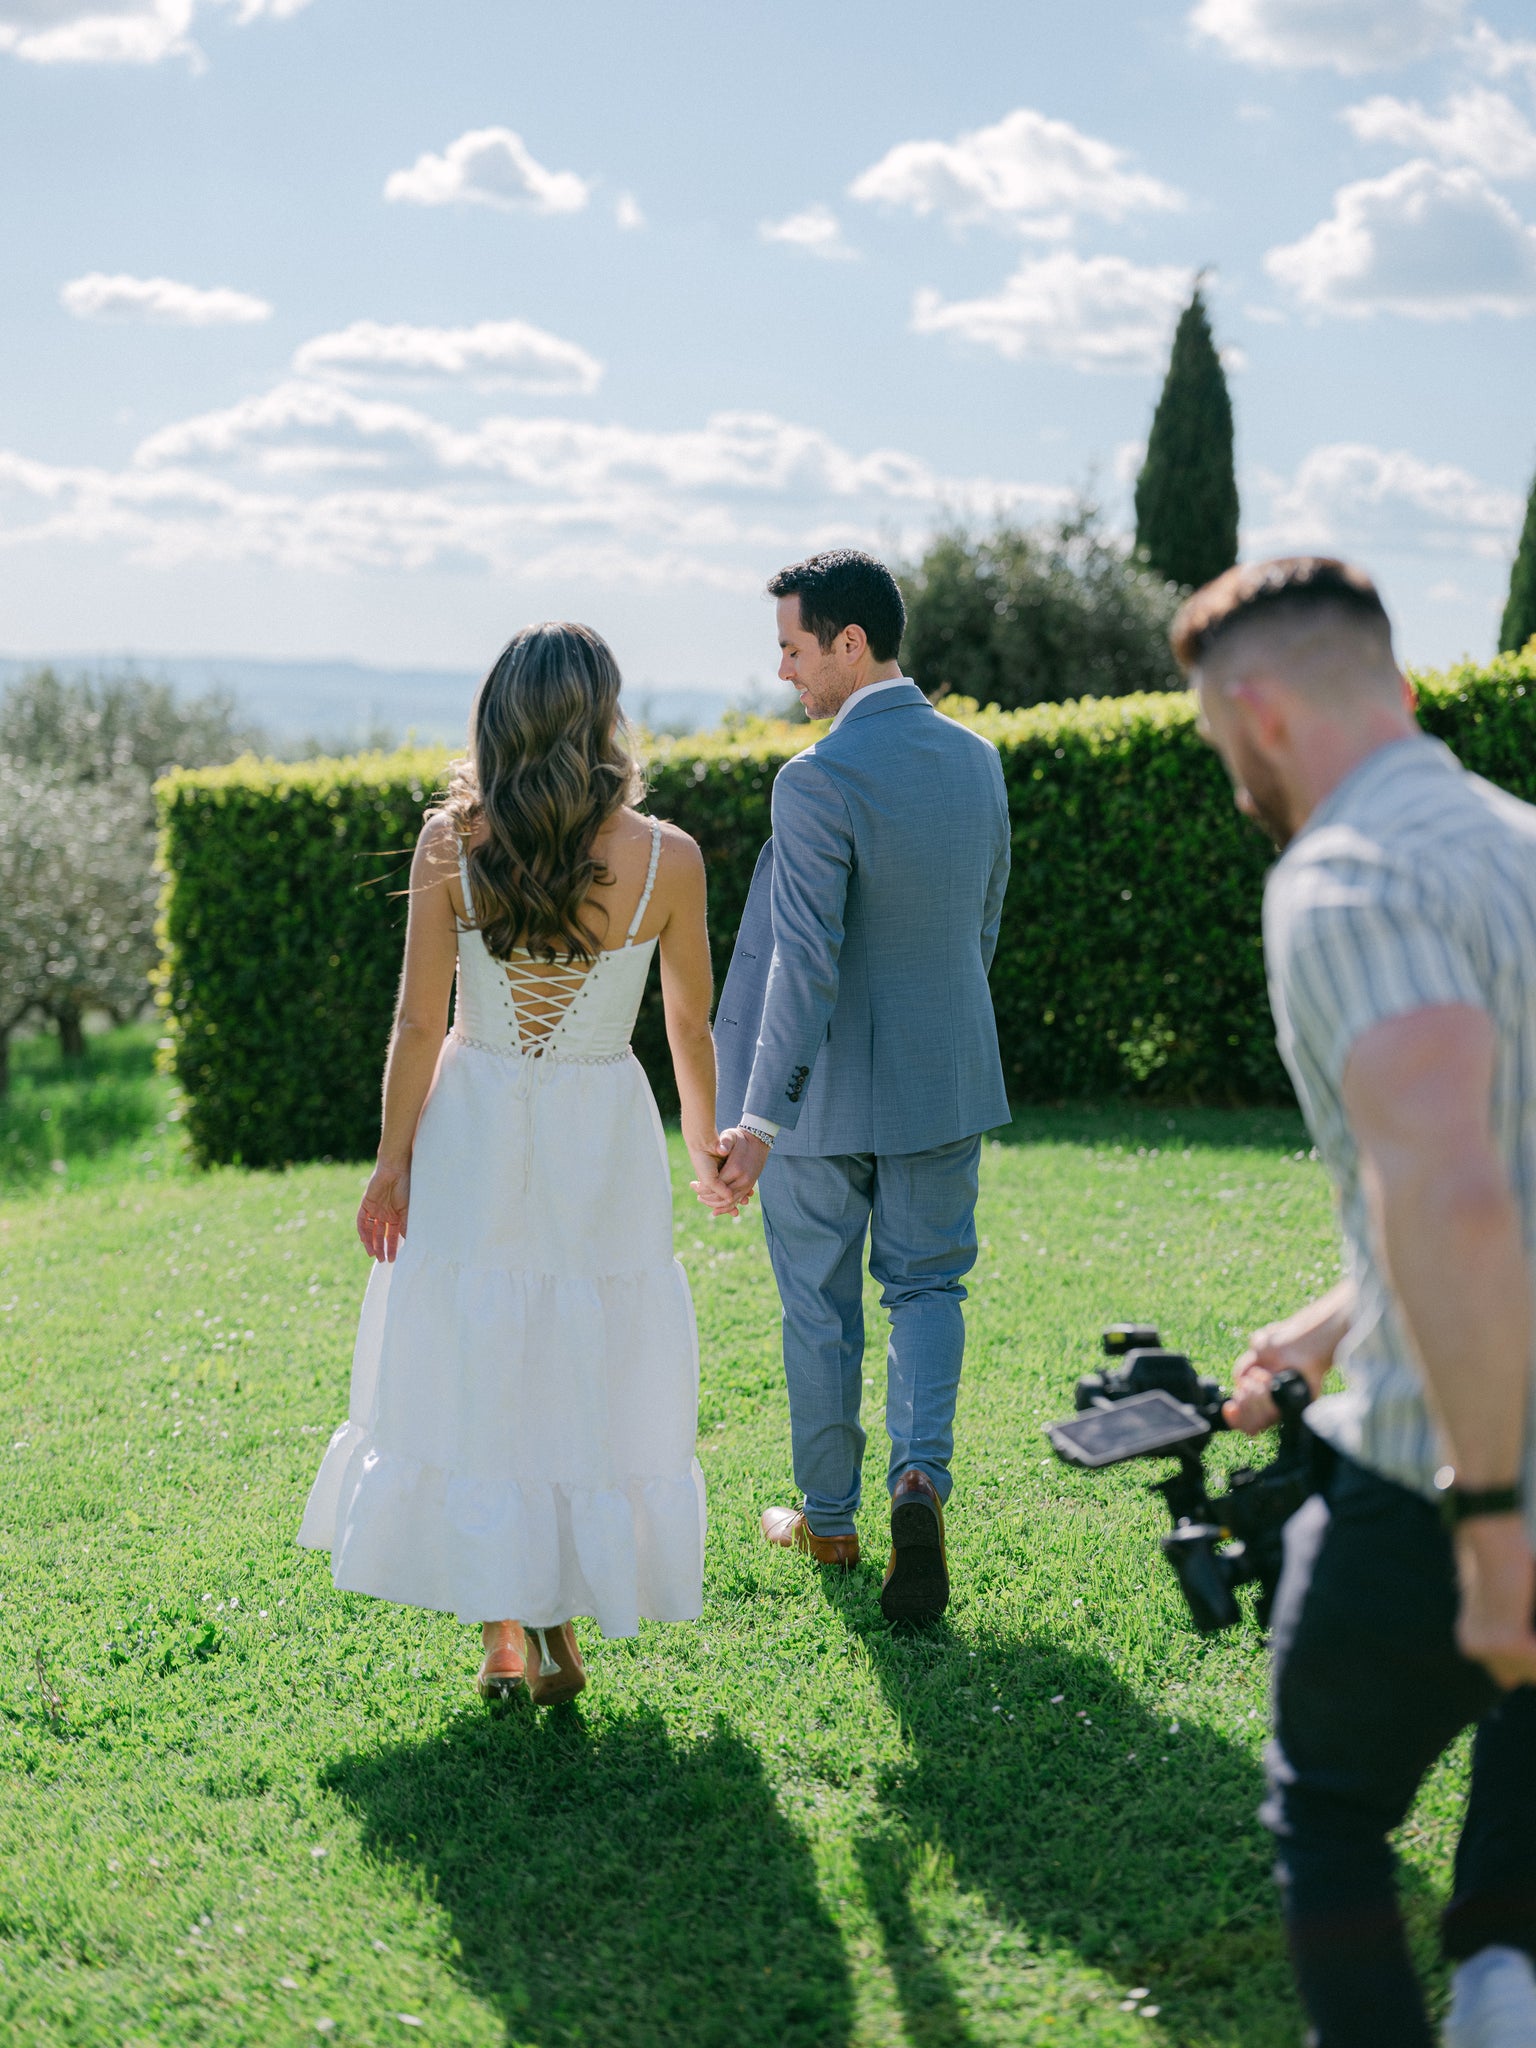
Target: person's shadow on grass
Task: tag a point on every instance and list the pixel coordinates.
(610, 1884)
(1051, 1791)
(1086, 1824)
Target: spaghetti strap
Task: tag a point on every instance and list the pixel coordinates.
(650, 882)
(469, 902)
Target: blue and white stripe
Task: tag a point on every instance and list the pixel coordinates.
(1413, 885)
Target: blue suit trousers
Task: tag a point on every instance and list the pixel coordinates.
(918, 1210)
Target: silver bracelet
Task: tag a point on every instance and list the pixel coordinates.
(755, 1131)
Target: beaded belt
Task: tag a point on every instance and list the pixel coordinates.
(539, 1052)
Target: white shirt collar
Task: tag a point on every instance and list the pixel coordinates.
(867, 690)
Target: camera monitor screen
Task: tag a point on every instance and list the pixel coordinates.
(1140, 1427)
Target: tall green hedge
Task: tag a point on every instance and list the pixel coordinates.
(1129, 963)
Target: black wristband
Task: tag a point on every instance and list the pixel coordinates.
(1460, 1504)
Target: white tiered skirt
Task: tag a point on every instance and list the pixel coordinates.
(520, 1441)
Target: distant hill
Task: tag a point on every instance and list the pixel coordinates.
(343, 703)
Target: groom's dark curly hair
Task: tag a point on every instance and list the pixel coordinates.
(845, 587)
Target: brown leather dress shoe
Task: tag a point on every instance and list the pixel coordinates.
(790, 1530)
(916, 1584)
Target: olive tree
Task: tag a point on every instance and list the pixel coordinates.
(35, 827)
(96, 727)
(77, 877)
(1039, 614)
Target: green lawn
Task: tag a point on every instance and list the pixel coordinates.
(237, 1806)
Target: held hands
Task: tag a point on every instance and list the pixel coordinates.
(382, 1212)
(745, 1159)
(1496, 1626)
(706, 1154)
(728, 1169)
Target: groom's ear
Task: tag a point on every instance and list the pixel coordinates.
(851, 643)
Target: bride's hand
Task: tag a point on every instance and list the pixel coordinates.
(381, 1214)
(706, 1154)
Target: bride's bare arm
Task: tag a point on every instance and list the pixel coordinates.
(687, 987)
(421, 1023)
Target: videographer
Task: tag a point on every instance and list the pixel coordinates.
(1400, 944)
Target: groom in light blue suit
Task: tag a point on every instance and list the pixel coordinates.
(858, 1059)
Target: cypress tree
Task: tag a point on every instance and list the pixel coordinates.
(1186, 495)
(1519, 621)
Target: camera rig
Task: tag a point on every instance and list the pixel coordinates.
(1153, 1404)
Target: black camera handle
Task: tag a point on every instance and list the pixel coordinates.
(1167, 1409)
(1184, 1490)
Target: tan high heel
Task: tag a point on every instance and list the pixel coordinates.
(508, 1679)
(554, 1666)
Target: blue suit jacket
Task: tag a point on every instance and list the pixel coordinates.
(856, 1013)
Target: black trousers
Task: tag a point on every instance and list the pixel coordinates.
(1369, 1689)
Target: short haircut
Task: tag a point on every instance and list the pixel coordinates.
(844, 587)
(1289, 588)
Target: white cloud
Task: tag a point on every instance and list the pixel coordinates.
(311, 425)
(627, 213)
(1342, 35)
(1094, 312)
(161, 299)
(817, 231)
(305, 427)
(314, 476)
(1478, 127)
(1351, 495)
(509, 352)
(1026, 172)
(1430, 243)
(116, 31)
(488, 167)
(1498, 56)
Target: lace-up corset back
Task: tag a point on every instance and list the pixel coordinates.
(552, 1011)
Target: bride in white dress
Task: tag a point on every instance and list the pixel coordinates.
(519, 1446)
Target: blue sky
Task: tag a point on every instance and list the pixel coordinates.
(370, 328)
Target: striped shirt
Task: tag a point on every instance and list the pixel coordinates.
(1412, 885)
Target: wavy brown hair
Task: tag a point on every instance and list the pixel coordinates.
(550, 762)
